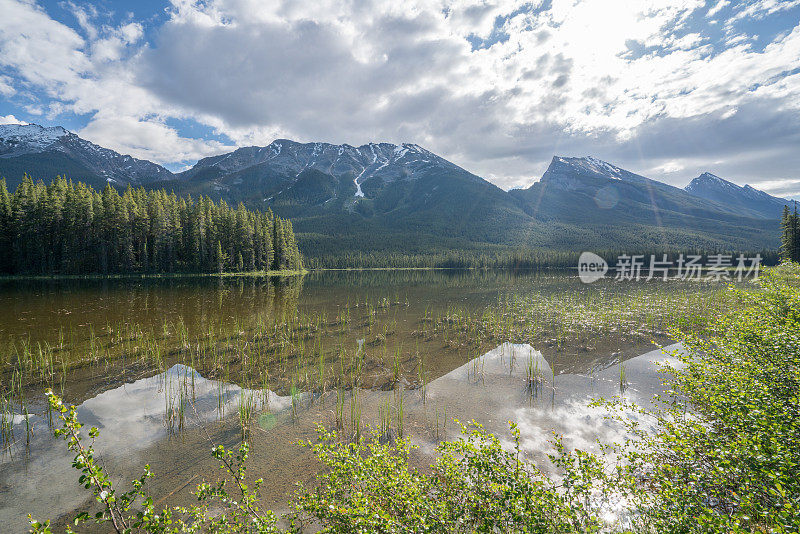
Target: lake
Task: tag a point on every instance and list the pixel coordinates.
(167, 367)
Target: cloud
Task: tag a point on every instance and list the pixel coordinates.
(10, 119)
(6, 86)
(760, 9)
(93, 76)
(787, 187)
(717, 8)
(149, 137)
(498, 86)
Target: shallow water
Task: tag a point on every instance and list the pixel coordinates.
(170, 416)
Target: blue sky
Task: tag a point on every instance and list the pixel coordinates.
(666, 88)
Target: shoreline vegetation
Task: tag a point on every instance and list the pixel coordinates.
(308, 269)
(121, 276)
(520, 258)
(304, 271)
(719, 453)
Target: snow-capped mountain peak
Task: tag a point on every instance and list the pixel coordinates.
(711, 187)
(387, 161)
(602, 167)
(572, 173)
(708, 179)
(21, 145)
(29, 137)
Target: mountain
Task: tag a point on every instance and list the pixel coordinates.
(304, 173)
(610, 204)
(48, 152)
(573, 173)
(745, 199)
(377, 196)
(608, 190)
(403, 199)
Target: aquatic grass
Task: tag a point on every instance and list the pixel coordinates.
(399, 411)
(355, 415)
(440, 433)
(6, 422)
(576, 317)
(247, 409)
(339, 414)
(385, 420)
(295, 394)
(422, 378)
(396, 364)
(534, 380)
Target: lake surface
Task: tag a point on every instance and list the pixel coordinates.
(166, 368)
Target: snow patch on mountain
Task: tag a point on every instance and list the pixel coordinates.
(707, 179)
(384, 161)
(30, 137)
(602, 167)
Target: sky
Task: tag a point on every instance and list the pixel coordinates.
(668, 89)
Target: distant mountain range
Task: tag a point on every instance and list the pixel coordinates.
(382, 197)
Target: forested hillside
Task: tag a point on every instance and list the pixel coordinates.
(69, 228)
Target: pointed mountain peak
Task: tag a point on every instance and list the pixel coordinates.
(571, 172)
(32, 135)
(746, 198)
(708, 180)
(65, 153)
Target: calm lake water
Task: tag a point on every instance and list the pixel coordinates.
(168, 366)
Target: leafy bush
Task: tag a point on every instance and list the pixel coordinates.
(723, 454)
(134, 511)
(475, 486)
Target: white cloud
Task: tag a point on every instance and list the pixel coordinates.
(669, 167)
(787, 187)
(148, 138)
(93, 76)
(571, 76)
(10, 119)
(717, 8)
(6, 87)
(760, 9)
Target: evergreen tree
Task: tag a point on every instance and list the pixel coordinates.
(5, 228)
(70, 228)
(790, 238)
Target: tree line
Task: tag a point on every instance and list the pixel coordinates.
(69, 228)
(518, 259)
(790, 238)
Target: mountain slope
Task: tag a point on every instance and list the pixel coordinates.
(744, 199)
(48, 152)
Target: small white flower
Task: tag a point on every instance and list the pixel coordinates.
(103, 495)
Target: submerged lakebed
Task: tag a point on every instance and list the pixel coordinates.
(165, 368)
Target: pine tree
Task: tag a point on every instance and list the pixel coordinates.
(794, 235)
(220, 258)
(5, 229)
(786, 238)
(790, 238)
(68, 227)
